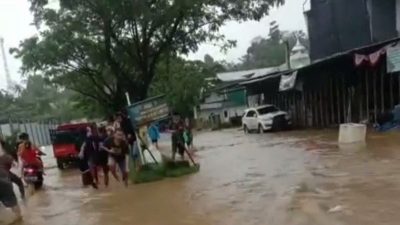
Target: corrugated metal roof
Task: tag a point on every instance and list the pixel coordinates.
(246, 74)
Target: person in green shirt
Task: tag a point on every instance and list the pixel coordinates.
(178, 142)
(188, 137)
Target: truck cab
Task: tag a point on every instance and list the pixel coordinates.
(67, 140)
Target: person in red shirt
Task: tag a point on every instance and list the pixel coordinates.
(29, 153)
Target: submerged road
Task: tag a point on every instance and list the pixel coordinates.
(288, 178)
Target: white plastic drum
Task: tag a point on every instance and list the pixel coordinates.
(352, 133)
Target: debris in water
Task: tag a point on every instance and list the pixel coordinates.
(336, 209)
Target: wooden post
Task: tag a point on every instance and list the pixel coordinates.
(338, 101)
(303, 97)
(382, 75)
(344, 95)
(367, 93)
(331, 92)
(310, 110)
(293, 103)
(327, 113)
(360, 96)
(316, 108)
(398, 77)
(391, 91)
(321, 109)
(375, 96)
(311, 107)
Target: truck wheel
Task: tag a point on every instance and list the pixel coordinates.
(60, 164)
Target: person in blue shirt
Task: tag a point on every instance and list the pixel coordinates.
(154, 134)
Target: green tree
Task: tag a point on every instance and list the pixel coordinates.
(183, 82)
(269, 52)
(39, 100)
(104, 48)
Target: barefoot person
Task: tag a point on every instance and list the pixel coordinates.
(178, 142)
(7, 195)
(118, 149)
(6, 162)
(102, 159)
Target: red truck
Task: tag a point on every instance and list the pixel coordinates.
(67, 140)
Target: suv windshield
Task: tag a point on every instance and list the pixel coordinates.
(266, 110)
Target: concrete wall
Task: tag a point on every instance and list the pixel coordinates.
(225, 114)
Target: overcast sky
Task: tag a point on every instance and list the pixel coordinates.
(16, 19)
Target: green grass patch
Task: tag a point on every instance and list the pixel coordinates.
(147, 173)
(155, 172)
(178, 169)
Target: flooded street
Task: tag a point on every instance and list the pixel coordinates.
(290, 178)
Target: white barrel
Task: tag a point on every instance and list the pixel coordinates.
(352, 133)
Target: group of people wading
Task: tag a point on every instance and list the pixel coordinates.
(109, 148)
(106, 148)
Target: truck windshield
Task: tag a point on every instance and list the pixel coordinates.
(266, 110)
(68, 137)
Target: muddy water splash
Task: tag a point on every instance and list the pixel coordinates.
(291, 178)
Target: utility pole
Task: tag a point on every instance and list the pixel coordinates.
(287, 54)
(6, 70)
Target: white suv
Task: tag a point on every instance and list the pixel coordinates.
(267, 117)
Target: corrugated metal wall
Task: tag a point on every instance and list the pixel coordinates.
(341, 25)
(38, 131)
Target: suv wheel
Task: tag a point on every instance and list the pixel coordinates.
(260, 129)
(245, 129)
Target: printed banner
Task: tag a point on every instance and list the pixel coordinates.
(288, 82)
(148, 111)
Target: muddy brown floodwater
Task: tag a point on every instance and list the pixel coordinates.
(288, 178)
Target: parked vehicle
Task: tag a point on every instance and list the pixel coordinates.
(67, 140)
(263, 118)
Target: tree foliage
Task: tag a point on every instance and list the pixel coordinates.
(183, 82)
(269, 52)
(104, 48)
(39, 101)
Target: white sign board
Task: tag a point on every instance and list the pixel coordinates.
(288, 82)
(393, 59)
